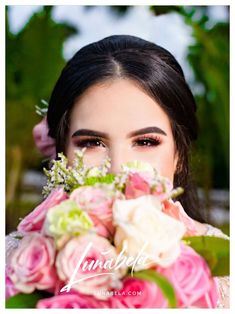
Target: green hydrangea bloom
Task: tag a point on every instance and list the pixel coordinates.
(67, 218)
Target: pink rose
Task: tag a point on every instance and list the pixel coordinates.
(137, 293)
(92, 265)
(44, 143)
(10, 288)
(34, 220)
(136, 186)
(175, 210)
(140, 184)
(31, 264)
(191, 279)
(97, 202)
(71, 300)
(209, 299)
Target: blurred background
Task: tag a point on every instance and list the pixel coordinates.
(39, 41)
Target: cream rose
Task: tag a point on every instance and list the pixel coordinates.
(141, 223)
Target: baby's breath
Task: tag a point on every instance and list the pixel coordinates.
(78, 174)
(72, 176)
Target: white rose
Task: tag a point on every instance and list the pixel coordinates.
(141, 221)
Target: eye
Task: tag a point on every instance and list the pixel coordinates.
(147, 141)
(89, 143)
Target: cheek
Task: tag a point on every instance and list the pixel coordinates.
(167, 167)
(94, 158)
(164, 161)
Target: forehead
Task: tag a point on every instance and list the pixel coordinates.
(118, 104)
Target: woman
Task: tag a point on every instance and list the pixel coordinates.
(127, 98)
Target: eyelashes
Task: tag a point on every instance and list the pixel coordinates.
(89, 143)
(145, 141)
(148, 141)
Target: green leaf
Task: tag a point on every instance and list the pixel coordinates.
(22, 300)
(215, 251)
(163, 283)
(107, 179)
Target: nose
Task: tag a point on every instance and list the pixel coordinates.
(118, 156)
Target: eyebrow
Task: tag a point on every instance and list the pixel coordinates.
(150, 129)
(88, 132)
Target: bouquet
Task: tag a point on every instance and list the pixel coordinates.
(103, 240)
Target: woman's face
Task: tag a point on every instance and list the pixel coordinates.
(119, 120)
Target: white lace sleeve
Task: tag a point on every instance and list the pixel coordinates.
(223, 283)
(12, 241)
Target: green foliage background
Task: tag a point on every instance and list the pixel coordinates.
(34, 60)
